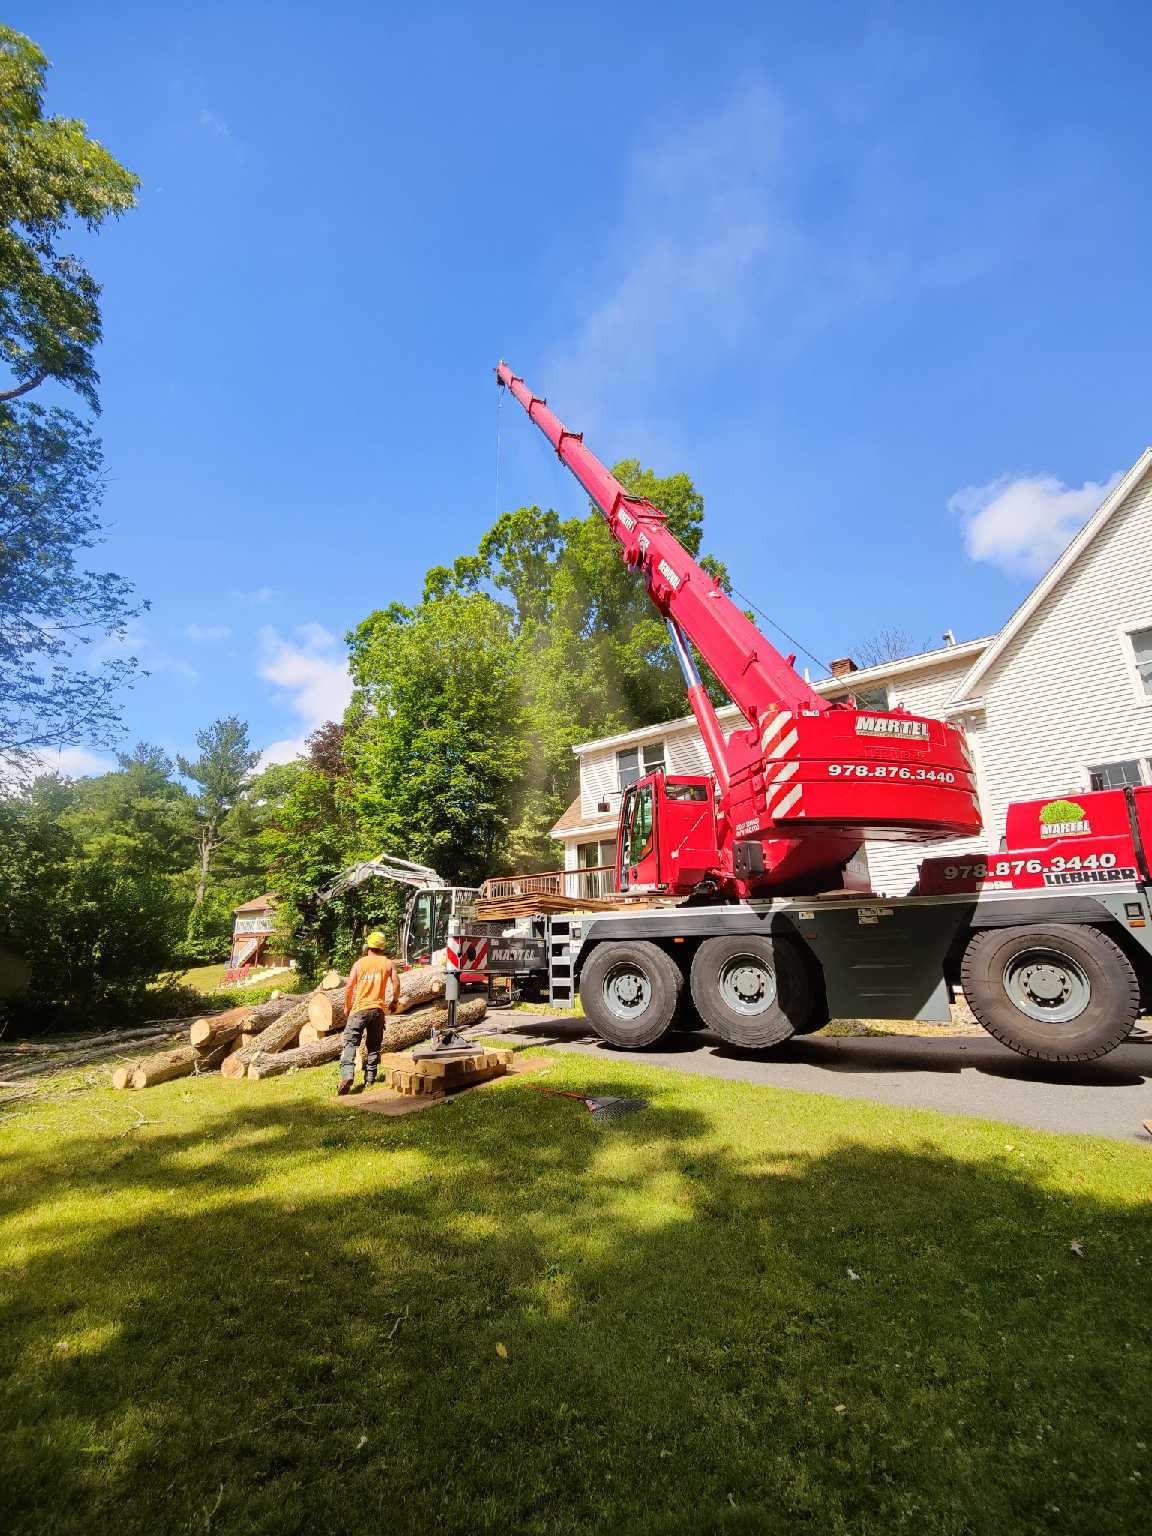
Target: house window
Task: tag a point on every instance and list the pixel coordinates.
(596, 855)
(1116, 775)
(634, 762)
(1142, 651)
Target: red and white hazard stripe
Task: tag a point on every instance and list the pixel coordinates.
(779, 738)
(466, 954)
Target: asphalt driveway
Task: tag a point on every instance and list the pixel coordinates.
(970, 1075)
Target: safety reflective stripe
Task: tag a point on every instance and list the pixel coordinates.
(774, 727)
(776, 781)
(466, 954)
(783, 747)
(791, 799)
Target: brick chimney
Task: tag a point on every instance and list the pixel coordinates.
(842, 666)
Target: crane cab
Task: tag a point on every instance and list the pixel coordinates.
(667, 834)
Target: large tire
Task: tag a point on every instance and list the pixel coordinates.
(630, 990)
(1057, 992)
(751, 990)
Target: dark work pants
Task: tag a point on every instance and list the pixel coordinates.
(368, 1025)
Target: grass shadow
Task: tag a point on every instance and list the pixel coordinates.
(722, 1314)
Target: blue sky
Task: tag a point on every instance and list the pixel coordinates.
(875, 275)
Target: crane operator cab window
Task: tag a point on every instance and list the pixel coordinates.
(638, 833)
(427, 926)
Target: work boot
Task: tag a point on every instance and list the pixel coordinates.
(343, 1087)
(369, 1081)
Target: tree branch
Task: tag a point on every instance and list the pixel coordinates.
(23, 389)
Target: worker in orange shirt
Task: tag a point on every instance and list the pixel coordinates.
(373, 990)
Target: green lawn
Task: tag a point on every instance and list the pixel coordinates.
(238, 1307)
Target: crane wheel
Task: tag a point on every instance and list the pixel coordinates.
(630, 990)
(751, 990)
(1056, 992)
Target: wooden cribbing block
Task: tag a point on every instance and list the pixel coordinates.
(440, 1075)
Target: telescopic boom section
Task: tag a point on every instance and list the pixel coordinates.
(752, 672)
(798, 790)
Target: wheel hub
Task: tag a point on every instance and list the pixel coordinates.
(627, 990)
(1047, 985)
(747, 984)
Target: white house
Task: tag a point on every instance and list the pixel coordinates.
(1060, 701)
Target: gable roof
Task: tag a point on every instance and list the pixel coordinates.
(258, 903)
(1056, 573)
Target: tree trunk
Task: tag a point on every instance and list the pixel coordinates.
(207, 848)
(264, 1013)
(402, 1031)
(215, 1028)
(180, 1062)
(326, 1011)
(331, 979)
(278, 1036)
(314, 1054)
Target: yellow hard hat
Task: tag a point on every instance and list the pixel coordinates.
(375, 940)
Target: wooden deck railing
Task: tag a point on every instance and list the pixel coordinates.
(579, 884)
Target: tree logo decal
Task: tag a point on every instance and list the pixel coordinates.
(1063, 818)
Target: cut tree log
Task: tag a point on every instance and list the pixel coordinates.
(326, 1010)
(277, 1036)
(402, 1032)
(182, 1061)
(216, 1028)
(331, 979)
(315, 1054)
(309, 1035)
(263, 1014)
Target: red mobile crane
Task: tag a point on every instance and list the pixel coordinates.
(791, 797)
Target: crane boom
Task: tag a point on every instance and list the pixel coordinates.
(752, 672)
(809, 779)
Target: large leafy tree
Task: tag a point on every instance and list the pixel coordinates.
(593, 655)
(51, 482)
(52, 176)
(92, 897)
(434, 745)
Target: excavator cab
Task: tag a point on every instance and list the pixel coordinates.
(425, 926)
(667, 837)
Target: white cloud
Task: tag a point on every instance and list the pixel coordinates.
(134, 641)
(313, 673)
(72, 762)
(1022, 525)
(704, 233)
(208, 632)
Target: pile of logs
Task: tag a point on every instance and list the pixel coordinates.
(295, 1032)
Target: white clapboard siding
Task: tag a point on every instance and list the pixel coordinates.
(892, 866)
(1064, 696)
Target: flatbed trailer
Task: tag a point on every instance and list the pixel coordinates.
(1056, 973)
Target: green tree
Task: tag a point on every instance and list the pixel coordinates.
(52, 175)
(310, 838)
(83, 905)
(434, 731)
(51, 482)
(225, 762)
